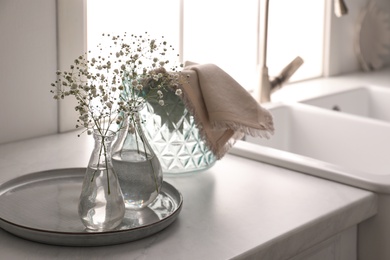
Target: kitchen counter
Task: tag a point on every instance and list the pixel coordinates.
(238, 209)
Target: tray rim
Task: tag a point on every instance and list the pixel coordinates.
(110, 233)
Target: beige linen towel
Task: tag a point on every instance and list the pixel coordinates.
(223, 110)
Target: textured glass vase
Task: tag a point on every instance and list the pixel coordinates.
(138, 168)
(173, 135)
(101, 206)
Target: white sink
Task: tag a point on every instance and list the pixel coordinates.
(367, 101)
(337, 146)
(350, 147)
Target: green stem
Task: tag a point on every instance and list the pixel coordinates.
(97, 166)
(133, 120)
(105, 160)
(140, 133)
(102, 147)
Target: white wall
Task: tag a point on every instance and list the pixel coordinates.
(27, 67)
(341, 53)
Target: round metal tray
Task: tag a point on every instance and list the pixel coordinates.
(42, 207)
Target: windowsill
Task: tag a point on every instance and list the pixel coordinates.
(299, 91)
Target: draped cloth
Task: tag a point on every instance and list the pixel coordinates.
(223, 110)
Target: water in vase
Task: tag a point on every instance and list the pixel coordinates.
(101, 205)
(140, 177)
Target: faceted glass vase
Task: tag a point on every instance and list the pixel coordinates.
(174, 136)
(101, 206)
(138, 168)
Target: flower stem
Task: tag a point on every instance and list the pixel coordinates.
(138, 126)
(105, 160)
(98, 164)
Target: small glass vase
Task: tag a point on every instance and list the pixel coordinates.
(138, 168)
(101, 206)
(175, 138)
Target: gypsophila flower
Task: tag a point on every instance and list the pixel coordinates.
(178, 92)
(109, 84)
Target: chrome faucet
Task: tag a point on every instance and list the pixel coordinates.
(267, 85)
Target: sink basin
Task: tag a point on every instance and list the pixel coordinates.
(337, 146)
(351, 147)
(367, 101)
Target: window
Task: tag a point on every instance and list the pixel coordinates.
(296, 28)
(133, 16)
(224, 32)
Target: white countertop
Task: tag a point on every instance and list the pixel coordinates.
(236, 209)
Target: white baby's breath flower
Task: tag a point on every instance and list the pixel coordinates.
(178, 92)
(115, 77)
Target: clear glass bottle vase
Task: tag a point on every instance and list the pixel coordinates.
(101, 206)
(138, 168)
